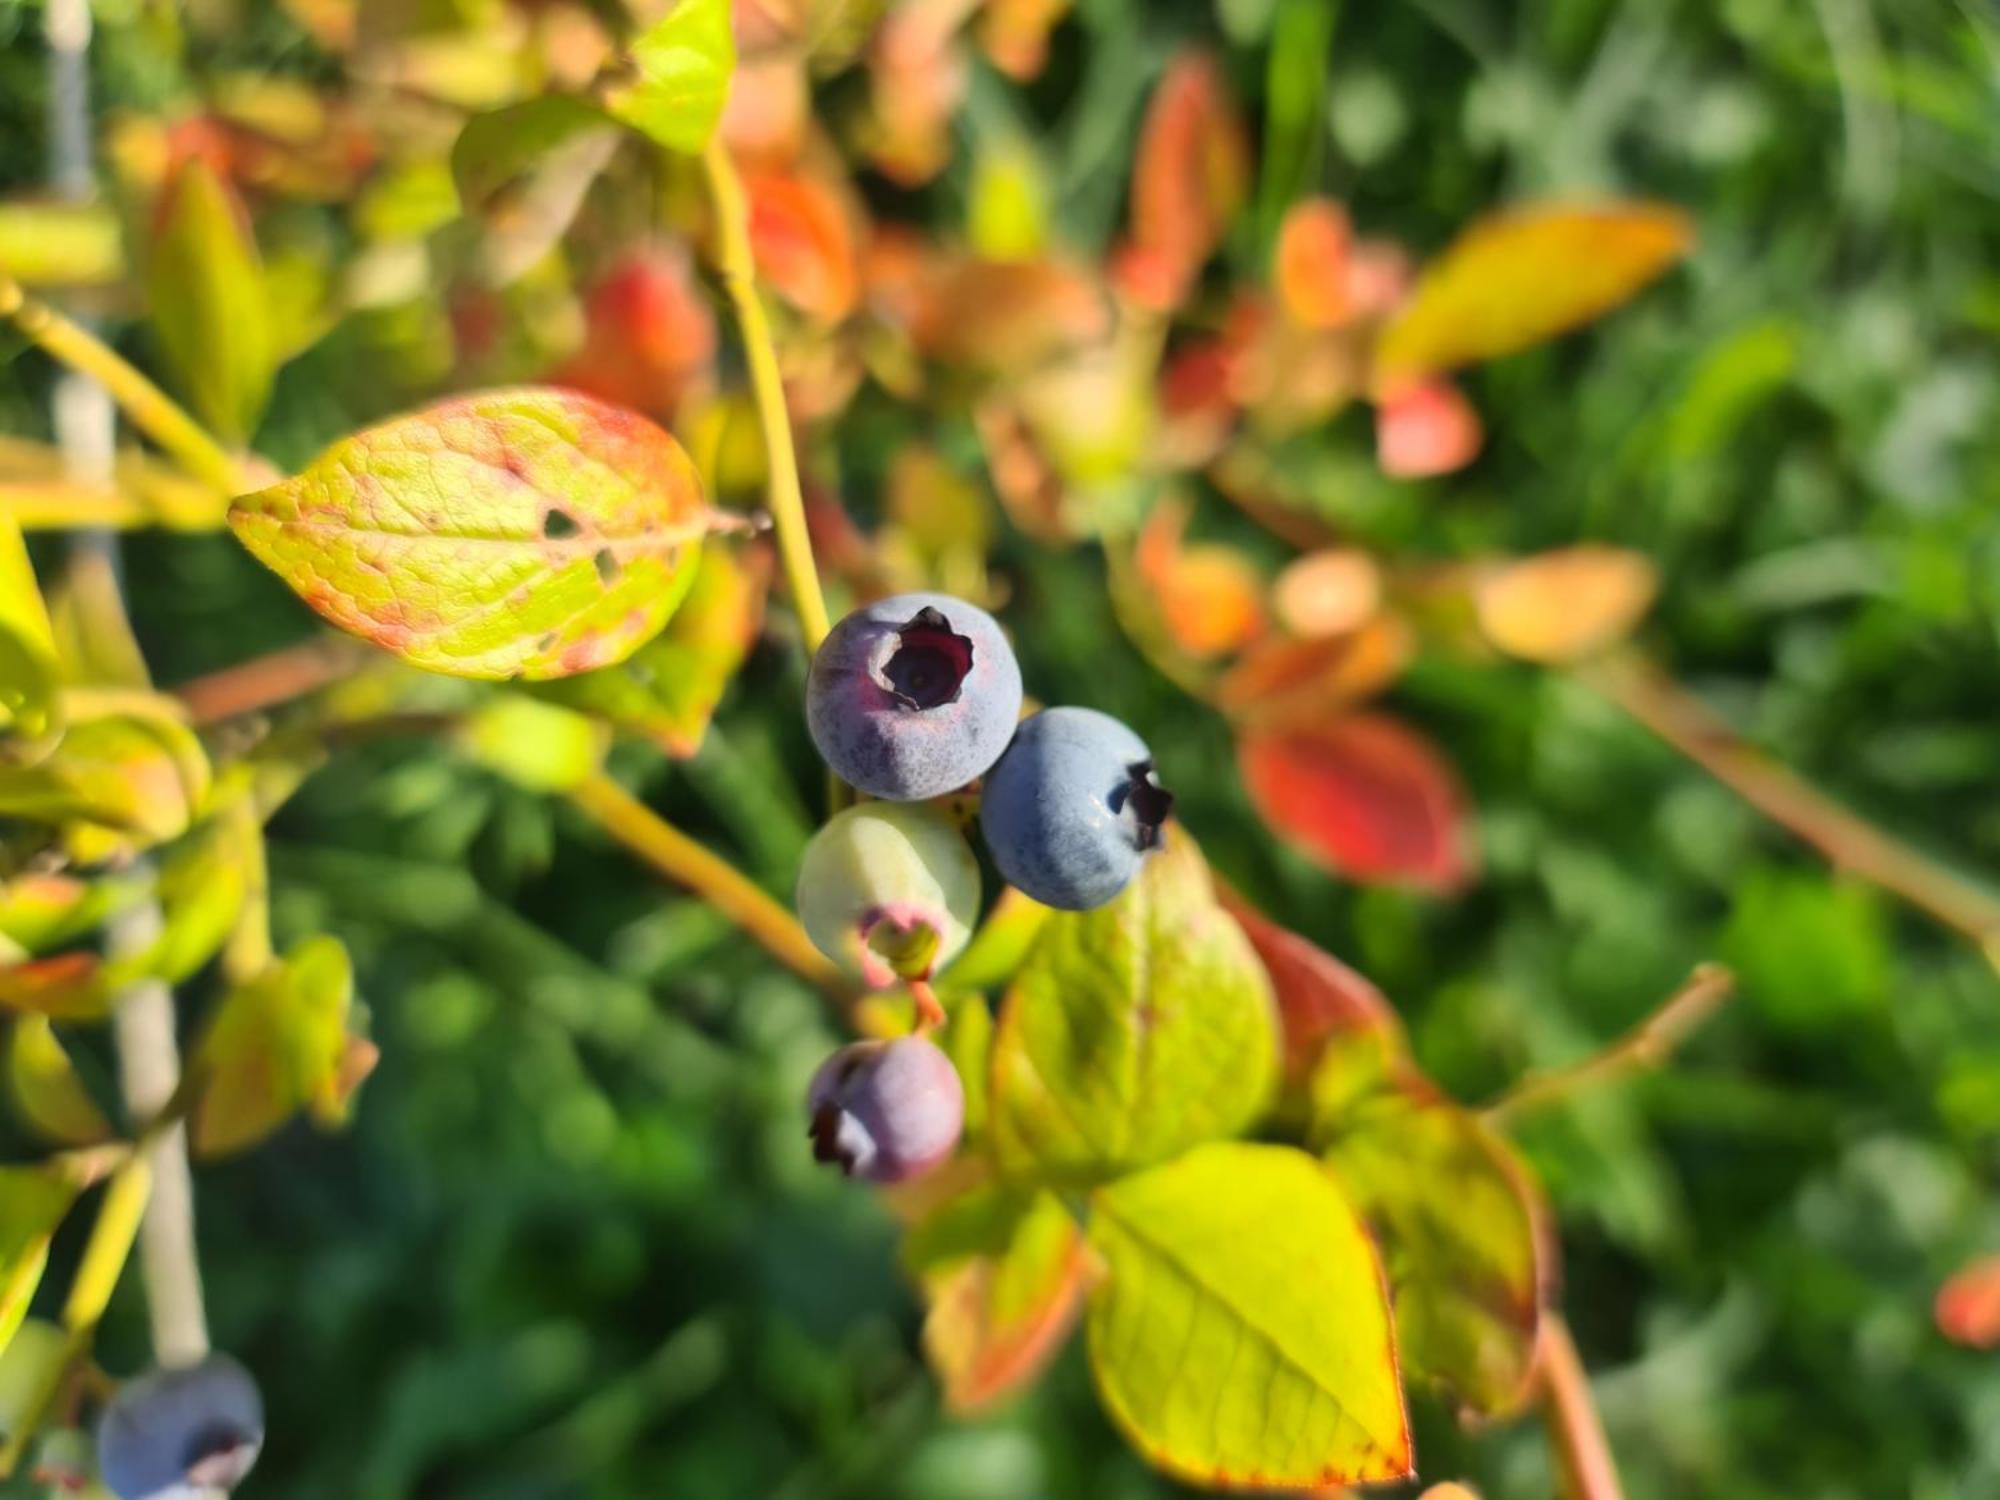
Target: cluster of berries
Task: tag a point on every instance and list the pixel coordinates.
(911, 699)
(180, 1434)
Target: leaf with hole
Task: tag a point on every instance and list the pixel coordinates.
(528, 532)
(1459, 1221)
(1133, 1031)
(1241, 1335)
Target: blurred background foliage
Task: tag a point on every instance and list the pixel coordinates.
(572, 1245)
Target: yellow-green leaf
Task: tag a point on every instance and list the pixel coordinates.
(681, 73)
(41, 910)
(1133, 1031)
(205, 294)
(61, 244)
(533, 744)
(275, 1045)
(46, 1089)
(668, 689)
(1525, 275)
(1455, 1212)
(30, 708)
(1241, 1336)
(142, 774)
(1003, 1274)
(33, 1201)
(515, 533)
(499, 147)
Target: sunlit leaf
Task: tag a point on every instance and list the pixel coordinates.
(205, 295)
(32, 1203)
(668, 689)
(1319, 997)
(40, 911)
(61, 244)
(1281, 681)
(802, 236)
(1327, 593)
(1425, 429)
(682, 67)
(527, 532)
(1967, 1310)
(1562, 606)
(1241, 1337)
(46, 1089)
(1312, 267)
(1526, 275)
(30, 707)
(1132, 1031)
(141, 774)
(1457, 1218)
(275, 1044)
(539, 746)
(1192, 168)
(1003, 1273)
(499, 147)
(1210, 597)
(1007, 213)
(1364, 795)
(93, 634)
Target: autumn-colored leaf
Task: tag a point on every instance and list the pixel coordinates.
(649, 336)
(1241, 1337)
(680, 81)
(206, 297)
(277, 1043)
(1281, 681)
(527, 532)
(1461, 1226)
(1327, 593)
(802, 236)
(1003, 317)
(1425, 429)
(1209, 597)
(1133, 1031)
(1967, 1310)
(1015, 34)
(1525, 275)
(141, 774)
(1559, 607)
(1318, 996)
(46, 1089)
(1192, 168)
(1003, 1273)
(1311, 271)
(1365, 796)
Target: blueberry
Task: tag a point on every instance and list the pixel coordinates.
(889, 890)
(913, 696)
(1072, 808)
(181, 1434)
(886, 1111)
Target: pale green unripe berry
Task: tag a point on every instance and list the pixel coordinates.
(889, 890)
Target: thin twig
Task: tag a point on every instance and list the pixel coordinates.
(1575, 1431)
(269, 680)
(1646, 1045)
(1848, 842)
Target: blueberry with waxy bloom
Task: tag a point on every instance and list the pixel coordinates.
(886, 1111)
(913, 696)
(184, 1433)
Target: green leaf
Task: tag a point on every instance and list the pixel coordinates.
(1133, 1031)
(33, 1201)
(1455, 1212)
(497, 148)
(205, 293)
(1003, 1274)
(1525, 275)
(533, 744)
(46, 1088)
(669, 688)
(142, 774)
(514, 533)
(275, 1045)
(1241, 1337)
(682, 66)
(39, 911)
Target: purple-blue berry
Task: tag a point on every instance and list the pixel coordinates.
(1072, 807)
(886, 1111)
(181, 1433)
(913, 696)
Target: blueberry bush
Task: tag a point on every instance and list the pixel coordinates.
(902, 578)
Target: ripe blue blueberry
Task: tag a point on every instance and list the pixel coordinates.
(913, 696)
(886, 1111)
(182, 1433)
(889, 890)
(1072, 808)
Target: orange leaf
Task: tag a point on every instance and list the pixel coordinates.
(1192, 168)
(1328, 593)
(1564, 605)
(1365, 796)
(650, 333)
(1004, 316)
(803, 240)
(1288, 682)
(1015, 35)
(1968, 1306)
(1525, 275)
(1425, 430)
(1312, 264)
(1318, 995)
(1210, 597)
